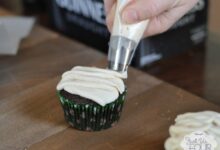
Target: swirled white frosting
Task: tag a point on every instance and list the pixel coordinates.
(207, 121)
(99, 85)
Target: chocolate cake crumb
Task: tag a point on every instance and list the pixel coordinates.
(76, 98)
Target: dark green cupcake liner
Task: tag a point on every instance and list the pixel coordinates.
(92, 117)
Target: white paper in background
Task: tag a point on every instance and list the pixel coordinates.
(7, 45)
(12, 31)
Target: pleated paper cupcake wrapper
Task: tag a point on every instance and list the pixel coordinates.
(90, 117)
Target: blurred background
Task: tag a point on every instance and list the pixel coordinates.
(187, 55)
(39, 8)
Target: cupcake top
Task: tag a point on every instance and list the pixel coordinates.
(99, 85)
(185, 124)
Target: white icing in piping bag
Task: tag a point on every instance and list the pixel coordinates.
(124, 40)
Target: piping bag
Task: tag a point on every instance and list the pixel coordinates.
(124, 40)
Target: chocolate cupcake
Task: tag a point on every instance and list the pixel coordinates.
(92, 98)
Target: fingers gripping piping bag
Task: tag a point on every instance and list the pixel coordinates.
(124, 40)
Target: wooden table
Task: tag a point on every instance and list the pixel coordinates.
(196, 70)
(31, 116)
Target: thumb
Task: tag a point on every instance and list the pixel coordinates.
(140, 10)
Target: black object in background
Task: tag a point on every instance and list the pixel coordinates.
(38, 9)
(85, 20)
(33, 6)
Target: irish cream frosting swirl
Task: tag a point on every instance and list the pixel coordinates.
(206, 121)
(99, 85)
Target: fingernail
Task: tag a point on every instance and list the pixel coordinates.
(129, 16)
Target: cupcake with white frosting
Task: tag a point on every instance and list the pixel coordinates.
(92, 98)
(185, 124)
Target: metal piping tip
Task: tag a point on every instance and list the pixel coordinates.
(117, 67)
(121, 52)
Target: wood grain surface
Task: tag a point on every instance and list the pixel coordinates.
(144, 124)
(41, 62)
(31, 116)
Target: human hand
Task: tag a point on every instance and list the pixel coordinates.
(162, 13)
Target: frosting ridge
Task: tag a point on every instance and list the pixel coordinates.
(206, 121)
(100, 85)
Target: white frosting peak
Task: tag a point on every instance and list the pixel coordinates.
(100, 85)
